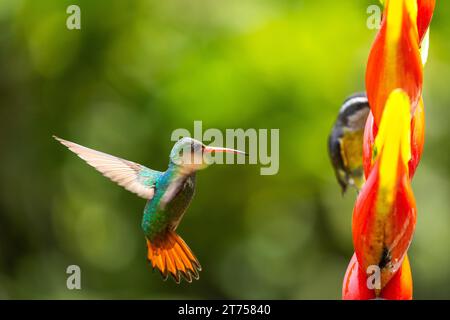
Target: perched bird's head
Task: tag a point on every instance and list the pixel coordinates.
(192, 155)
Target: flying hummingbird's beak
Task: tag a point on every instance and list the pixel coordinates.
(219, 149)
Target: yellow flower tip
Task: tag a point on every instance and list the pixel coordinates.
(393, 141)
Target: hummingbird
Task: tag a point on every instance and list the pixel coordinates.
(168, 196)
(345, 142)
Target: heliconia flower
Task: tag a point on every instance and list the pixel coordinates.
(417, 140)
(384, 216)
(395, 60)
(355, 286)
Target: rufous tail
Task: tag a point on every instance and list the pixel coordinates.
(171, 256)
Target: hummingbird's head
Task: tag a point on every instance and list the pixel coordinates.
(192, 155)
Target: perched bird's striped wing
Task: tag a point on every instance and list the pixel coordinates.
(130, 175)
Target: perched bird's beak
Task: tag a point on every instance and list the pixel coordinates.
(219, 149)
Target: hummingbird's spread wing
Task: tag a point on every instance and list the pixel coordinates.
(130, 175)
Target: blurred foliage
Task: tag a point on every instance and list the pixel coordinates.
(139, 69)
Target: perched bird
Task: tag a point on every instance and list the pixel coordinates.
(168, 193)
(345, 143)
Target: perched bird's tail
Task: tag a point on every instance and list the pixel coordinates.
(171, 255)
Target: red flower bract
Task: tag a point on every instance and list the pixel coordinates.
(425, 9)
(394, 61)
(417, 141)
(355, 284)
(384, 216)
(382, 238)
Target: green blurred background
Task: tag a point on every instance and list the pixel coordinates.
(139, 69)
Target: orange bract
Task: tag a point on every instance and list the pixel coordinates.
(395, 61)
(381, 238)
(355, 284)
(417, 140)
(425, 13)
(384, 215)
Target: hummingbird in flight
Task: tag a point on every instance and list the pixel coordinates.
(168, 196)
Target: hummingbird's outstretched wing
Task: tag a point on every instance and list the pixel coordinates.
(130, 175)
